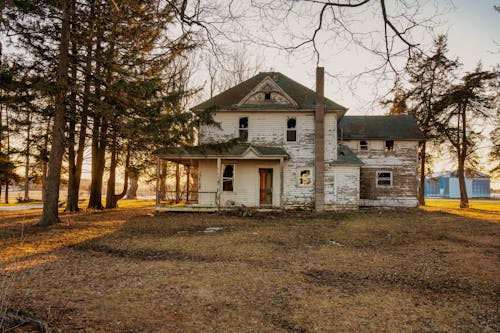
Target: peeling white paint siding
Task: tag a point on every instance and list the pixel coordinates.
(401, 162)
(342, 187)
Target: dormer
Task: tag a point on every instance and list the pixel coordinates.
(267, 92)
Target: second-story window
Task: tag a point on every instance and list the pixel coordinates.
(243, 129)
(389, 145)
(291, 130)
(363, 145)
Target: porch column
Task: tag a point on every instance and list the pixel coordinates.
(158, 162)
(219, 182)
(188, 169)
(177, 183)
(282, 186)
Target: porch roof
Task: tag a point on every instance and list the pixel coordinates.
(345, 156)
(213, 151)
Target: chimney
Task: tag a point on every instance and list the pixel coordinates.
(319, 142)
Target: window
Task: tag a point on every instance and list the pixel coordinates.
(291, 130)
(227, 178)
(305, 178)
(384, 178)
(389, 145)
(363, 145)
(243, 129)
(267, 96)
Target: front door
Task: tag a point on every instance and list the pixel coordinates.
(266, 187)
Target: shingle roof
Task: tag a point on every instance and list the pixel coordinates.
(305, 97)
(401, 127)
(210, 150)
(345, 156)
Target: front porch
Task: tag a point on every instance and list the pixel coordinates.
(209, 179)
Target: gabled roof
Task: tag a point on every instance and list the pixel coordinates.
(400, 127)
(219, 150)
(345, 156)
(304, 97)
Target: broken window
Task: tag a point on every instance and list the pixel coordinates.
(305, 178)
(389, 145)
(291, 130)
(228, 178)
(384, 178)
(267, 96)
(243, 129)
(363, 145)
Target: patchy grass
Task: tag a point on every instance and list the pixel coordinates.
(128, 270)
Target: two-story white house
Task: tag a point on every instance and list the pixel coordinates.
(296, 149)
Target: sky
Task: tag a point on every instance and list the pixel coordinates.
(472, 27)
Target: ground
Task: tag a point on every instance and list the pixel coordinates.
(129, 270)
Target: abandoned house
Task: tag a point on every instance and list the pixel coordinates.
(296, 149)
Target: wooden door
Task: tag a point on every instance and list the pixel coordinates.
(266, 187)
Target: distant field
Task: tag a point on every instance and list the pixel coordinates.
(129, 270)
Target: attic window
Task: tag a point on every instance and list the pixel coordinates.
(363, 145)
(267, 96)
(291, 130)
(389, 145)
(243, 129)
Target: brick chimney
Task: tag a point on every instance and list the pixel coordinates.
(319, 142)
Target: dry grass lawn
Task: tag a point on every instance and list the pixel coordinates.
(128, 270)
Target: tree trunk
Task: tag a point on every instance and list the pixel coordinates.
(44, 158)
(163, 180)
(462, 154)
(50, 213)
(421, 185)
(99, 141)
(7, 180)
(73, 182)
(27, 160)
(133, 184)
(111, 197)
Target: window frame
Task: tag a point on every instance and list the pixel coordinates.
(378, 178)
(310, 177)
(243, 129)
(291, 129)
(225, 179)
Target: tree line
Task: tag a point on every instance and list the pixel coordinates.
(106, 76)
(451, 108)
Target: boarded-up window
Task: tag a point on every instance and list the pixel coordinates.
(243, 129)
(291, 130)
(305, 177)
(389, 145)
(384, 178)
(363, 145)
(228, 178)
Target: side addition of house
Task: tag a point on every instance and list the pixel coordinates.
(296, 149)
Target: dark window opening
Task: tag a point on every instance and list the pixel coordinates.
(291, 130)
(389, 145)
(243, 129)
(227, 178)
(363, 145)
(267, 96)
